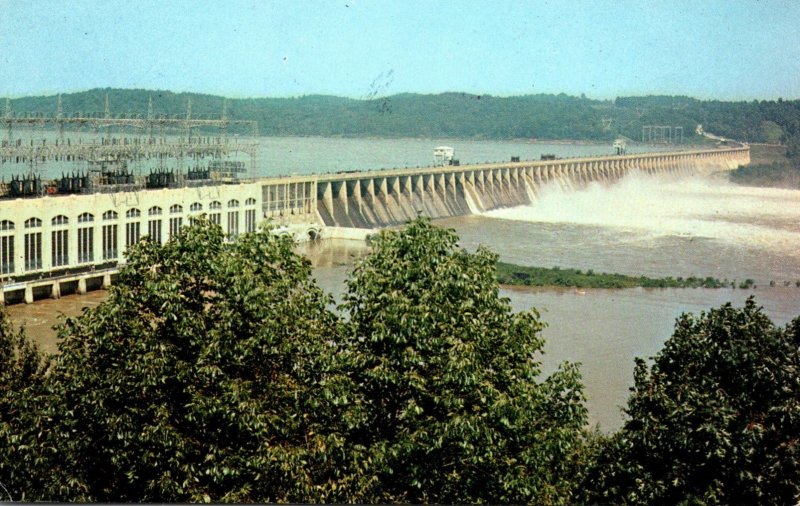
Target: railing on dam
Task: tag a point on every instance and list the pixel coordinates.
(390, 197)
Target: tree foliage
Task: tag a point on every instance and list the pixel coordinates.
(219, 371)
(714, 420)
(201, 377)
(447, 378)
(461, 115)
(22, 374)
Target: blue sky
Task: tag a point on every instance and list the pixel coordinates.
(732, 49)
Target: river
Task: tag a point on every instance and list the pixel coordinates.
(641, 225)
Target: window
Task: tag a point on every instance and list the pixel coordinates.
(196, 207)
(110, 242)
(132, 230)
(85, 239)
(250, 202)
(6, 254)
(33, 250)
(110, 215)
(233, 224)
(250, 220)
(60, 220)
(85, 244)
(6, 248)
(154, 230)
(33, 223)
(215, 218)
(155, 211)
(60, 248)
(132, 234)
(175, 225)
(287, 196)
(233, 203)
(175, 209)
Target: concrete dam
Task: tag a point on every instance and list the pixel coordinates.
(391, 197)
(52, 245)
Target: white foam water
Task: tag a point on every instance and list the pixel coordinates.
(657, 206)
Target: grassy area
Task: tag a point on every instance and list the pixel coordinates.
(510, 274)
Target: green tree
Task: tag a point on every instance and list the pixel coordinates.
(203, 376)
(714, 420)
(447, 378)
(22, 391)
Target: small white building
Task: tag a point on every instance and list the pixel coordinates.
(442, 155)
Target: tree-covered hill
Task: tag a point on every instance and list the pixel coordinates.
(459, 115)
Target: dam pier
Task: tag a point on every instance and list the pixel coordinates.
(391, 197)
(55, 244)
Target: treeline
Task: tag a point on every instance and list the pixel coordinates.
(220, 372)
(458, 115)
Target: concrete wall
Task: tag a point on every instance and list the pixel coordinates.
(96, 222)
(385, 198)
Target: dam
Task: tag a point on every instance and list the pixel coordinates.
(56, 244)
(386, 198)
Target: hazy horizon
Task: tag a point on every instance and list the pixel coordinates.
(365, 98)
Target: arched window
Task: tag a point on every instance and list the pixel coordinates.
(85, 217)
(60, 220)
(110, 215)
(33, 245)
(176, 208)
(6, 247)
(133, 213)
(215, 205)
(33, 223)
(154, 211)
(196, 207)
(233, 203)
(250, 202)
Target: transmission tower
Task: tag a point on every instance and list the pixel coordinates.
(662, 134)
(8, 121)
(60, 118)
(150, 118)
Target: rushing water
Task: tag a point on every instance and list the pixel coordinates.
(641, 225)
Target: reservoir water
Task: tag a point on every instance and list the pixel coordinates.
(640, 225)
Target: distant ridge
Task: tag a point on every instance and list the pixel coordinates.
(457, 115)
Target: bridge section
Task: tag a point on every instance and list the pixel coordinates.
(385, 198)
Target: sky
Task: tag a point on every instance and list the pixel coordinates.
(711, 49)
